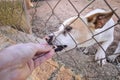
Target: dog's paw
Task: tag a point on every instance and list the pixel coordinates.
(100, 58)
(102, 62)
(112, 58)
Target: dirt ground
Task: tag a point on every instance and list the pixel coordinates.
(47, 17)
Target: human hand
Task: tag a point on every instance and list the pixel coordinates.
(18, 61)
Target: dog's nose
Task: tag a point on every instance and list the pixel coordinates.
(49, 39)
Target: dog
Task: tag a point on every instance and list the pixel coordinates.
(80, 30)
(29, 4)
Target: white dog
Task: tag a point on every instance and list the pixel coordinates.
(81, 30)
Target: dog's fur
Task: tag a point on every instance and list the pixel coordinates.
(80, 29)
(29, 3)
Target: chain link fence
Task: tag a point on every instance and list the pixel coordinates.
(50, 26)
(47, 15)
(54, 12)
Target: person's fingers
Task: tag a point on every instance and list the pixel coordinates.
(40, 60)
(31, 65)
(25, 52)
(32, 49)
(41, 48)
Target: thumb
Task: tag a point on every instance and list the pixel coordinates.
(39, 49)
(43, 47)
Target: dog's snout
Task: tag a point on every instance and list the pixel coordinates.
(49, 39)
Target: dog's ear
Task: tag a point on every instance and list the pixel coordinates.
(99, 19)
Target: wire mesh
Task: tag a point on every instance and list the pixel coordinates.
(78, 16)
(78, 13)
(15, 15)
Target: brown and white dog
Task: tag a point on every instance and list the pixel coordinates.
(29, 3)
(82, 30)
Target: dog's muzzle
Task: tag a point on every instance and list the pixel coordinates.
(50, 41)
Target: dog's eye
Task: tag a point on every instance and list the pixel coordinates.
(64, 32)
(68, 28)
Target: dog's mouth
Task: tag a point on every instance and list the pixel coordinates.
(57, 48)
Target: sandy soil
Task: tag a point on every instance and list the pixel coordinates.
(47, 17)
